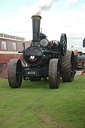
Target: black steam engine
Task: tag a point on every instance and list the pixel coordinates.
(44, 59)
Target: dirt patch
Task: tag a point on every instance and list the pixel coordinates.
(44, 119)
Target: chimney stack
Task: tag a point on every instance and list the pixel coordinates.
(36, 28)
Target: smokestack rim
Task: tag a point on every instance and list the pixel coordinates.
(36, 17)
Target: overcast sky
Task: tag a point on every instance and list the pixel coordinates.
(58, 16)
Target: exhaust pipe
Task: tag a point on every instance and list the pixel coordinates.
(36, 28)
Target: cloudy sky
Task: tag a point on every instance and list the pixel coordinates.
(58, 16)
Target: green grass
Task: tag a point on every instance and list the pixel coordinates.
(34, 105)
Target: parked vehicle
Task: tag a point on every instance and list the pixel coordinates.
(45, 59)
(79, 62)
(76, 42)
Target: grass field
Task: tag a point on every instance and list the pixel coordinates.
(34, 105)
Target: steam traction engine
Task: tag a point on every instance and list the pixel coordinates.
(44, 59)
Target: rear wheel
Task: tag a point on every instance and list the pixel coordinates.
(54, 73)
(68, 67)
(63, 44)
(15, 73)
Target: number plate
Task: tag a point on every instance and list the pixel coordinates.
(31, 72)
(80, 63)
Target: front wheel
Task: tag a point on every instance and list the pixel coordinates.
(15, 73)
(54, 73)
